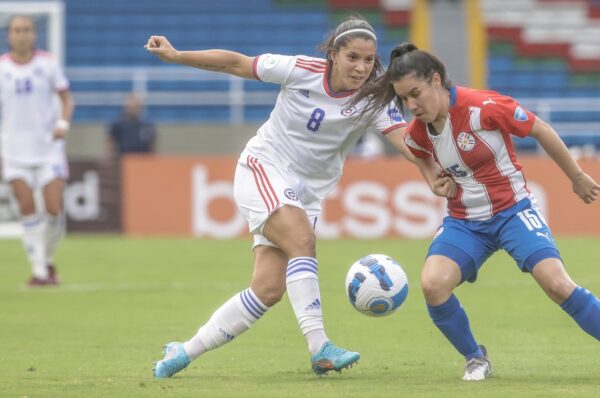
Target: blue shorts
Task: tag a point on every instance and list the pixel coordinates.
(520, 230)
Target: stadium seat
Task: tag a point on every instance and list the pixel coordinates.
(547, 49)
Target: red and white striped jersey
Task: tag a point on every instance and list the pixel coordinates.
(311, 130)
(29, 107)
(476, 148)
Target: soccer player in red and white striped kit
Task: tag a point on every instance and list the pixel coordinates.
(467, 133)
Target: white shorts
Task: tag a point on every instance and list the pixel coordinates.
(261, 188)
(35, 175)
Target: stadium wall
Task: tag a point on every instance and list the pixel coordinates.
(379, 198)
(88, 140)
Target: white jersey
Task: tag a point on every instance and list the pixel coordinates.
(311, 130)
(29, 108)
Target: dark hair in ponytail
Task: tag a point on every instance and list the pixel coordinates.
(405, 59)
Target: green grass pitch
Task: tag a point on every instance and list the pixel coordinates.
(122, 299)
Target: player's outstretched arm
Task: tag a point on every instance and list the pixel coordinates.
(396, 138)
(583, 185)
(214, 60)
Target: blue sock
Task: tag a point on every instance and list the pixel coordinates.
(584, 308)
(452, 321)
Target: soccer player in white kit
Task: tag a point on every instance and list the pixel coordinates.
(282, 176)
(33, 133)
(467, 132)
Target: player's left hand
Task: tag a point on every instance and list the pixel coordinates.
(59, 134)
(445, 186)
(586, 188)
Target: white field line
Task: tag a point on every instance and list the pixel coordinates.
(130, 286)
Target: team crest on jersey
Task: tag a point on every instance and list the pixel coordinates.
(348, 111)
(290, 194)
(465, 141)
(271, 61)
(520, 114)
(395, 115)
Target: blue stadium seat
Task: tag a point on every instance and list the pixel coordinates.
(113, 32)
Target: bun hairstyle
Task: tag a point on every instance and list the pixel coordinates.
(405, 59)
(402, 49)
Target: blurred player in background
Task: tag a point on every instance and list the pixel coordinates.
(282, 176)
(33, 152)
(467, 132)
(131, 133)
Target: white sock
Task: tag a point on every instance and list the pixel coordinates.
(35, 245)
(303, 291)
(229, 321)
(55, 230)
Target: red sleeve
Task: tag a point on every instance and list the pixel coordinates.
(505, 114)
(417, 141)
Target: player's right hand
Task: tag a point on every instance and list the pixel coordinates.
(445, 186)
(586, 188)
(160, 46)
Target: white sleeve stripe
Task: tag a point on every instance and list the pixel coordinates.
(475, 118)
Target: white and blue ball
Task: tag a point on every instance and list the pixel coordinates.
(376, 285)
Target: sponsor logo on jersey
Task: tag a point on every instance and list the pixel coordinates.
(305, 93)
(290, 194)
(488, 101)
(465, 141)
(439, 232)
(520, 114)
(395, 115)
(348, 111)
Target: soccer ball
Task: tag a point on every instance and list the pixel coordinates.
(376, 285)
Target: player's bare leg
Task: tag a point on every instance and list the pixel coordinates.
(290, 229)
(575, 300)
(24, 196)
(439, 277)
(235, 316)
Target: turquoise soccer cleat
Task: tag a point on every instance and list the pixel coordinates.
(175, 360)
(331, 358)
